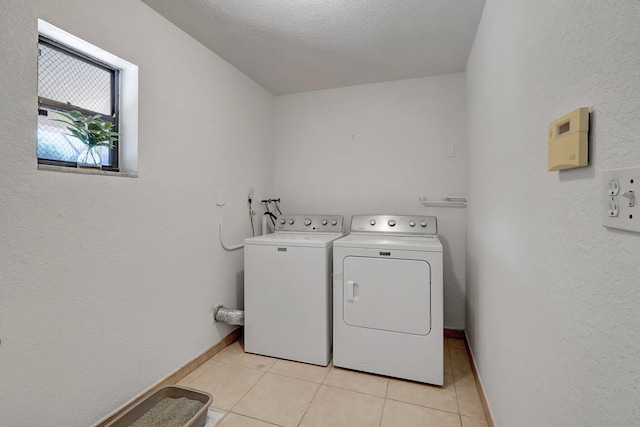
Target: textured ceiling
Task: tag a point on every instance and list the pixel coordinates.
(300, 45)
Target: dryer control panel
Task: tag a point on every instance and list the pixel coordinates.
(406, 225)
(310, 223)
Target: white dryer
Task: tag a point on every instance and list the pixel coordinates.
(388, 298)
(287, 289)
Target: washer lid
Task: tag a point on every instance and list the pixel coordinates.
(407, 243)
(310, 240)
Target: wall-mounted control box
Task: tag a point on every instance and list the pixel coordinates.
(569, 141)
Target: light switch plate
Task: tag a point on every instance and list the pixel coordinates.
(622, 188)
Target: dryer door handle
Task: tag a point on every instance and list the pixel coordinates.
(353, 291)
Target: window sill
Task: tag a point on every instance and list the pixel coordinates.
(51, 168)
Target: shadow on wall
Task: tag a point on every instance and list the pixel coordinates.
(453, 289)
(240, 289)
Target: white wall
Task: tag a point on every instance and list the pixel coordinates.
(105, 282)
(552, 296)
(376, 149)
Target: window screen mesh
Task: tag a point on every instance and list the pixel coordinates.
(75, 82)
(67, 79)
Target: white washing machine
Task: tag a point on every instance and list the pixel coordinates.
(388, 298)
(287, 289)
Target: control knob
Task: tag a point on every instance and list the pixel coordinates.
(334, 222)
(282, 221)
(392, 223)
(291, 221)
(324, 222)
(372, 222)
(423, 224)
(412, 223)
(307, 222)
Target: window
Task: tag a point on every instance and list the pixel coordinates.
(69, 80)
(76, 75)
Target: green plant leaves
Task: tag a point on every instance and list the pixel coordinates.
(90, 130)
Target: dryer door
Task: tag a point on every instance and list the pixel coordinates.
(387, 294)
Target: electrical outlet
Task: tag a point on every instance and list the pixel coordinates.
(620, 209)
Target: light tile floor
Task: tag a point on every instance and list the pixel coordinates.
(258, 391)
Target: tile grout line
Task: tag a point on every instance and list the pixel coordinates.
(277, 375)
(243, 396)
(298, 378)
(330, 365)
(254, 418)
(312, 399)
(204, 372)
(247, 392)
(355, 391)
(423, 406)
(269, 371)
(250, 388)
(293, 378)
(384, 404)
(453, 375)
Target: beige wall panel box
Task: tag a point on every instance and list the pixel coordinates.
(569, 141)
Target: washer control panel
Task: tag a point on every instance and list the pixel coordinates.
(409, 225)
(310, 223)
